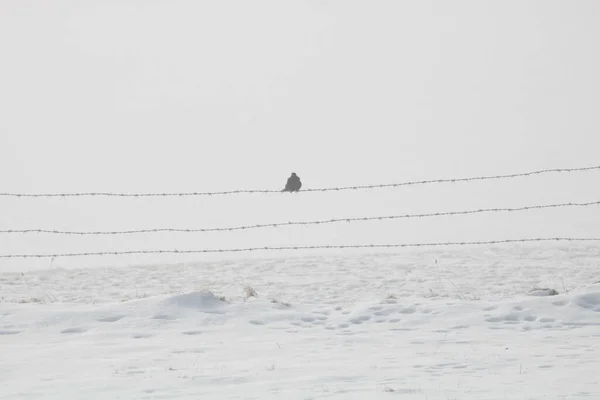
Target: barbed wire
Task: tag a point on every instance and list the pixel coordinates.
(341, 188)
(292, 223)
(317, 247)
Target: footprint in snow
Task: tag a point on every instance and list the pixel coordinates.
(73, 330)
(408, 310)
(164, 316)
(360, 320)
(113, 318)
(9, 332)
(142, 336)
(384, 313)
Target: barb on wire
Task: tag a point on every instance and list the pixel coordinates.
(279, 248)
(278, 224)
(358, 187)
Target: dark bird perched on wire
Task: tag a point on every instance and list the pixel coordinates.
(293, 183)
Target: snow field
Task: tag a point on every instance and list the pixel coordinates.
(446, 324)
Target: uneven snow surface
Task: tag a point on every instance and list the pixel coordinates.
(469, 323)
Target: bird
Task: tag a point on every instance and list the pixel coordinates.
(293, 183)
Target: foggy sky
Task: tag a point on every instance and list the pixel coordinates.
(157, 96)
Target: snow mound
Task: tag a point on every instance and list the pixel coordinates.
(202, 301)
(589, 300)
(543, 292)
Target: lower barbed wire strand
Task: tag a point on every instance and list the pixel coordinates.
(315, 247)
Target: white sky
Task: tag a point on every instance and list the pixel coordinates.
(166, 96)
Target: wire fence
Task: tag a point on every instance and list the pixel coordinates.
(292, 223)
(330, 189)
(317, 247)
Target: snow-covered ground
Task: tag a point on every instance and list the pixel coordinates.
(454, 323)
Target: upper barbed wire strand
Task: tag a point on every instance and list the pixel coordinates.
(358, 187)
